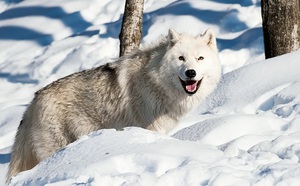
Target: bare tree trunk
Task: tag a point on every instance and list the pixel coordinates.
(280, 26)
(131, 31)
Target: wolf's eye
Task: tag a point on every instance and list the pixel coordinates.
(200, 58)
(181, 58)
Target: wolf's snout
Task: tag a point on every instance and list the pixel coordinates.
(190, 73)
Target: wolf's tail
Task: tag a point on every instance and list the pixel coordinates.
(22, 157)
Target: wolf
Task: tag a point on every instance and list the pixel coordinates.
(151, 87)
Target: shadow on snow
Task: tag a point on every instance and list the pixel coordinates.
(241, 2)
(18, 78)
(72, 20)
(226, 20)
(4, 158)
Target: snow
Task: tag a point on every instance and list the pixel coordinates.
(246, 133)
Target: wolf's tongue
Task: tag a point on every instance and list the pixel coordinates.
(191, 85)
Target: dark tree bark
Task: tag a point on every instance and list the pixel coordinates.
(280, 26)
(131, 31)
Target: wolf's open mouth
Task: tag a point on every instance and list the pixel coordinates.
(190, 86)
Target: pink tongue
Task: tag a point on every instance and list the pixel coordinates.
(191, 85)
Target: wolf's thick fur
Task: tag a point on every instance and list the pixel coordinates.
(149, 88)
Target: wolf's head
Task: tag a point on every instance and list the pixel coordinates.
(193, 62)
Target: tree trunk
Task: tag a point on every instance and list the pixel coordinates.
(131, 31)
(280, 26)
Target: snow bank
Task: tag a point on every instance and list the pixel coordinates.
(258, 87)
(132, 156)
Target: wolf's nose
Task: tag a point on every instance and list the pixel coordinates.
(190, 73)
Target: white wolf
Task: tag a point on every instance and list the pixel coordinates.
(150, 87)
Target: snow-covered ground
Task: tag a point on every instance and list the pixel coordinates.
(246, 133)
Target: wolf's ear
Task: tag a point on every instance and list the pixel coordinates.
(210, 38)
(173, 37)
